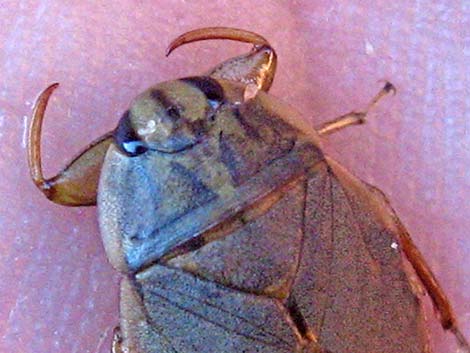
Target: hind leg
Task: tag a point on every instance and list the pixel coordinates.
(354, 117)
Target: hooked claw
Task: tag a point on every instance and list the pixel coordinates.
(34, 140)
(207, 33)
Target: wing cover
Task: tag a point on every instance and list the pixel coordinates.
(168, 310)
(351, 285)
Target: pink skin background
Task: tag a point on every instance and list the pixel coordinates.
(57, 291)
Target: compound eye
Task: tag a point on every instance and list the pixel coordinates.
(127, 139)
(134, 148)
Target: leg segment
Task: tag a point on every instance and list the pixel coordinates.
(438, 297)
(353, 118)
(76, 184)
(254, 68)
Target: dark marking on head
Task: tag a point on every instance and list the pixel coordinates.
(127, 139)
(172, 110)
(207, 85)
(160, 97)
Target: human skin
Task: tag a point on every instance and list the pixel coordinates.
(59, 294)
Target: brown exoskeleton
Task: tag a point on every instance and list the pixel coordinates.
(232, 229)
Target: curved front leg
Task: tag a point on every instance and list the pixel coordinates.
(76, 184)
(257, 67)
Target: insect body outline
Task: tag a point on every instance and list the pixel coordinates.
(233, 230)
